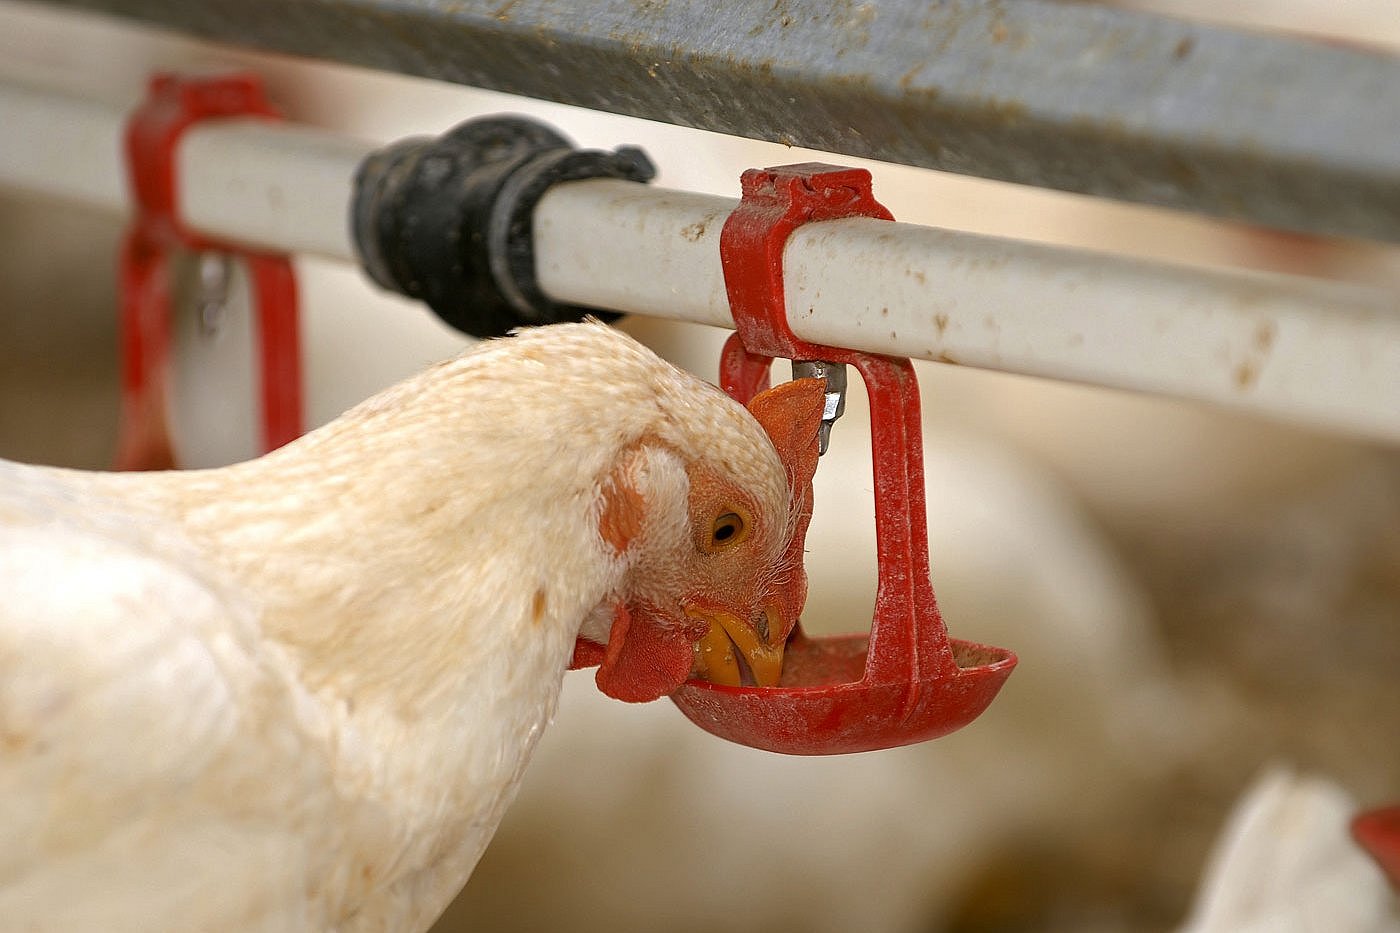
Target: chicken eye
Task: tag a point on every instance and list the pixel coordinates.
(728, 529)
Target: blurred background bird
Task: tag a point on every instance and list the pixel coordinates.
(299, 692)
(1285, 861)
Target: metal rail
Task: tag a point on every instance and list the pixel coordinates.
(1318, 353)
(1275, 130)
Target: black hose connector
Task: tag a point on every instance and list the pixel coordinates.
(450, 221)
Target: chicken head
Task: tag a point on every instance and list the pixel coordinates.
(713, 543)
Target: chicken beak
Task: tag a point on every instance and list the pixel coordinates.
(734, 653)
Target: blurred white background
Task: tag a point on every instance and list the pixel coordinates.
(1192, 593)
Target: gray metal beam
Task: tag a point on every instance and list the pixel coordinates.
(1275, 130)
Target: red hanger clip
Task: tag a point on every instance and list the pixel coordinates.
(156, 234)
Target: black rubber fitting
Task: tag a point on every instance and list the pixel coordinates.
(450, 221)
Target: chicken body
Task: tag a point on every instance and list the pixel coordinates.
(1286, 862)
(299, 693)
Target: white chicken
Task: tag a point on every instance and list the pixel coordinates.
(1285, 863)
(299, 692)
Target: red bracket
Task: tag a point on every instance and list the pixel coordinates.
(907, 681)
(776, 201)
(153, 135)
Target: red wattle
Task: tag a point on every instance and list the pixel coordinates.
(646, 657)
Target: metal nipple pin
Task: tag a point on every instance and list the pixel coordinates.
(835, 404)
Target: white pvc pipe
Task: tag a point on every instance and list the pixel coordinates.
(272, 184)
(1318, 353)
(61, 146)
(1313, 352)
(276, 185)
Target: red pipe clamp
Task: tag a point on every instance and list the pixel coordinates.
(906, 681)
(152, 135)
